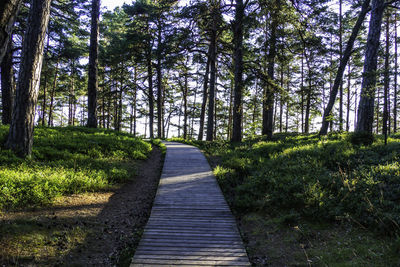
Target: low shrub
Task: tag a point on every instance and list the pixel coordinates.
(67, 161)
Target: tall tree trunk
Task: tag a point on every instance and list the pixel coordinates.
(120, 99)
(150, 89)
(52, 93)
(237, 115)
(185, 105)
(281, 104)
(366, 106)
(377, 112)
(71, 95)
(302, 92)
(268, 98)
(46, 57)
(230, 115)
(93, 65)
(308, 104)
(395, 75)
(7, 84)
(386, 80)
(134, 101)
(159, 85)
(342, 66)
(215, 117)
(20, 138)
(340, 59)
(193, 113)
(205, 96)
(8, 14)
(211, 95)
(287, 101)
(348, 98)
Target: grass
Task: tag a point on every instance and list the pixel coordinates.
(67, 161)
(349, 194)
(68, 196)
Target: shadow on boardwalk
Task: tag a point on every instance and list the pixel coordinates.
(190, 223)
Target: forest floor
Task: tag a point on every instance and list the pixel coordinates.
(97, 229)
(286, 240)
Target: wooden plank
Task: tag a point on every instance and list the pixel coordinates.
(191, 262)
(190, 223)
(193, 257)
(191, 253)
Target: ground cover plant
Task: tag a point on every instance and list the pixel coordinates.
(67, 161)
(292, 185)
(83, 197)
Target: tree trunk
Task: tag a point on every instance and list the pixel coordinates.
(308, 104)
(134, 101)
(342, 66)
(46, 57)
(150, 90)
(340, 59)
(53, 90)
(366, 106)
(302, 92)
(20, 138)
(281, 104)
(185, 105)
(386, 81)
(7, 85)
(93, 65)
(71, 95)
(348, 98)
(211, 96)
(395, 76)
(268, 99)
(8, 14)
(205, 96)
(159, 85)
(237, 115)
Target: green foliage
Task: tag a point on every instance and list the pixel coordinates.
(327, 179)
(67, 161)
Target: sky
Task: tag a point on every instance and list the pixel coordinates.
(111, 4)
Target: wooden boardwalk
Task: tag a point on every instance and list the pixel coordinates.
(190, 223)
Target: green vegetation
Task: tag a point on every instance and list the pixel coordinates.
(305, 181)
(67, 161)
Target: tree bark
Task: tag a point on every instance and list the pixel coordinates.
(20, 138)
(134, 101)
(386, 81)
(53, 90)
(237, 115)
(342, 66)
(45, 81)
(268, 99)
(7, 85)
(211, 96)
(348, 98)
(150, 89)
(395, 76)
(185, 105)
(340, 59)
(205, 96)
(308, 103)
(93, 65)
(159, 85)
(8, 14)
(366, 106)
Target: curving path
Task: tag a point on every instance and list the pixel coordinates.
(190, 223)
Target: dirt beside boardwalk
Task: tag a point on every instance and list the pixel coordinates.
(92, 229)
